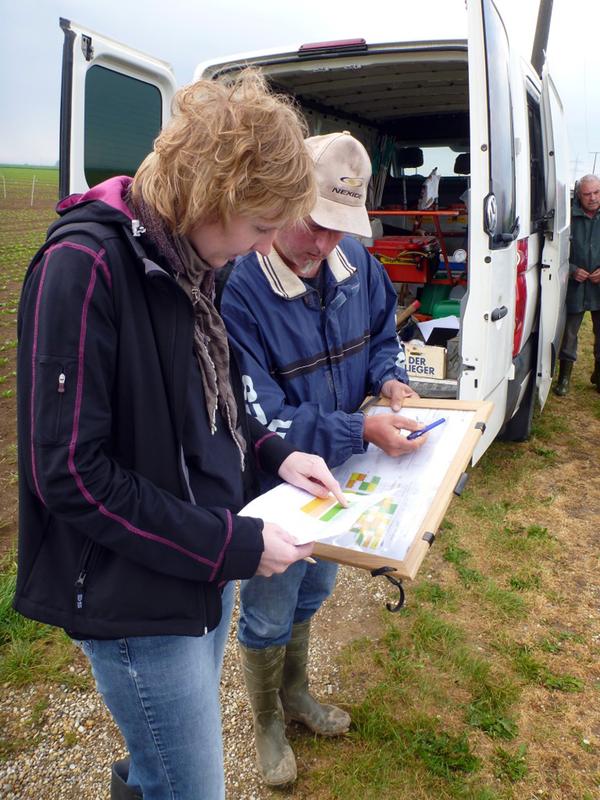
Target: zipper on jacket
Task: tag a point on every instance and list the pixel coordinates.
(79, 589)
(60, 388)
(89, 551)
(203, 606)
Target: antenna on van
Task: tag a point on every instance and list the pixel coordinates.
(542, 32)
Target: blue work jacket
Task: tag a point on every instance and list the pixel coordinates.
(309, 358)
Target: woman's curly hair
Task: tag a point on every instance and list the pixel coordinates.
(230, 148)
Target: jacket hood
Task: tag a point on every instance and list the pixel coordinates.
(104, 203)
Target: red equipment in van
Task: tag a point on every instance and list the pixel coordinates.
(408, 259)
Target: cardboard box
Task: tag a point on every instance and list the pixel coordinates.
(426, 361)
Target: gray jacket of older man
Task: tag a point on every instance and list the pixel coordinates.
(585, 253)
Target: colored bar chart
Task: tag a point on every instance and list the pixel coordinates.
(323, 508)
(362, 482)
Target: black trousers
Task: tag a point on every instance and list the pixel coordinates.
(568, 349)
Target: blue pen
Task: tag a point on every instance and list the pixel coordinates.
(416, 434)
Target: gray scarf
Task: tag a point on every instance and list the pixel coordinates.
(197, 278)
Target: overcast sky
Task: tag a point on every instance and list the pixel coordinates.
(184, 32)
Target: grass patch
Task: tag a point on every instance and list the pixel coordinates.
(505, 602)
(488, 715)
(456, 555)
(459, 557)
(70, 738)
(440, 752)
(493, 511)
(523, 539)
(512, 766)
(434, 594)
(547, 427)
(431, 634)
(547, 453)
(29, 651)
(525, 580)
(469, 577)
(533, 671)
(38, 711)
(437, 642)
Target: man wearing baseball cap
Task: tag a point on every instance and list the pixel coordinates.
(313, 326)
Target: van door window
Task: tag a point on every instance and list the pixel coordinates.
(502, 159)
(536, 157)
(123, 115)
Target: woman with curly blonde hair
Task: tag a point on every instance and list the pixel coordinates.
(136, 453)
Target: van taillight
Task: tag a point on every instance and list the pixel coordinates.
(520, 294)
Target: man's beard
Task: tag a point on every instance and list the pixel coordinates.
(310, 267)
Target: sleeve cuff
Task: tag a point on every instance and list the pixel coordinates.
(271, 451)
(244, 551)
(397, 374)
(357, 430)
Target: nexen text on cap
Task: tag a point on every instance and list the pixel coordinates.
(343, 171)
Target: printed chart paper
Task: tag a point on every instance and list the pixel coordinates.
(403, 487)
(388, 497)
(307, 518)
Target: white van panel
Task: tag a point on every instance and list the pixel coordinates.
(555, 257)
(488, 320)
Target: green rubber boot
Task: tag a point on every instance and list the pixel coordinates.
(298, 703)
(263, 671)
(565, 369)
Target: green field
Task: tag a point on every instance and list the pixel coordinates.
(27, 199)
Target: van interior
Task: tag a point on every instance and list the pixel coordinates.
(410, 108)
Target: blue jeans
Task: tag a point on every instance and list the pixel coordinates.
(163, 693)
(270, 606)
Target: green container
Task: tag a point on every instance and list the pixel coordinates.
(431, 294)
(446, 308)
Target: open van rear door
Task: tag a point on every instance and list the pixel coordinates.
(555, 255)
(488, 316)
(114, 101)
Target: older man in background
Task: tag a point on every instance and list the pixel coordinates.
(583, 292)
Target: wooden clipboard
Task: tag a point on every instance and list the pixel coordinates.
(450, 483)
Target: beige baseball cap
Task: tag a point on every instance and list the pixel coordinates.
(343, 171)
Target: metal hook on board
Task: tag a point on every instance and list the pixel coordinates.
(384, 571)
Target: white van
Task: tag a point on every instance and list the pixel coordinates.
(470, 108)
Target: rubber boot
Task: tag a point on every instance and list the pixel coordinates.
(298, 703)
(263, 672)
(564, 378)
(119, 788)
(595, 376)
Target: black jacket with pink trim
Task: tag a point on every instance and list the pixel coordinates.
(112, 540)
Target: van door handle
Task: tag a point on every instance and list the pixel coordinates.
(499, 313)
